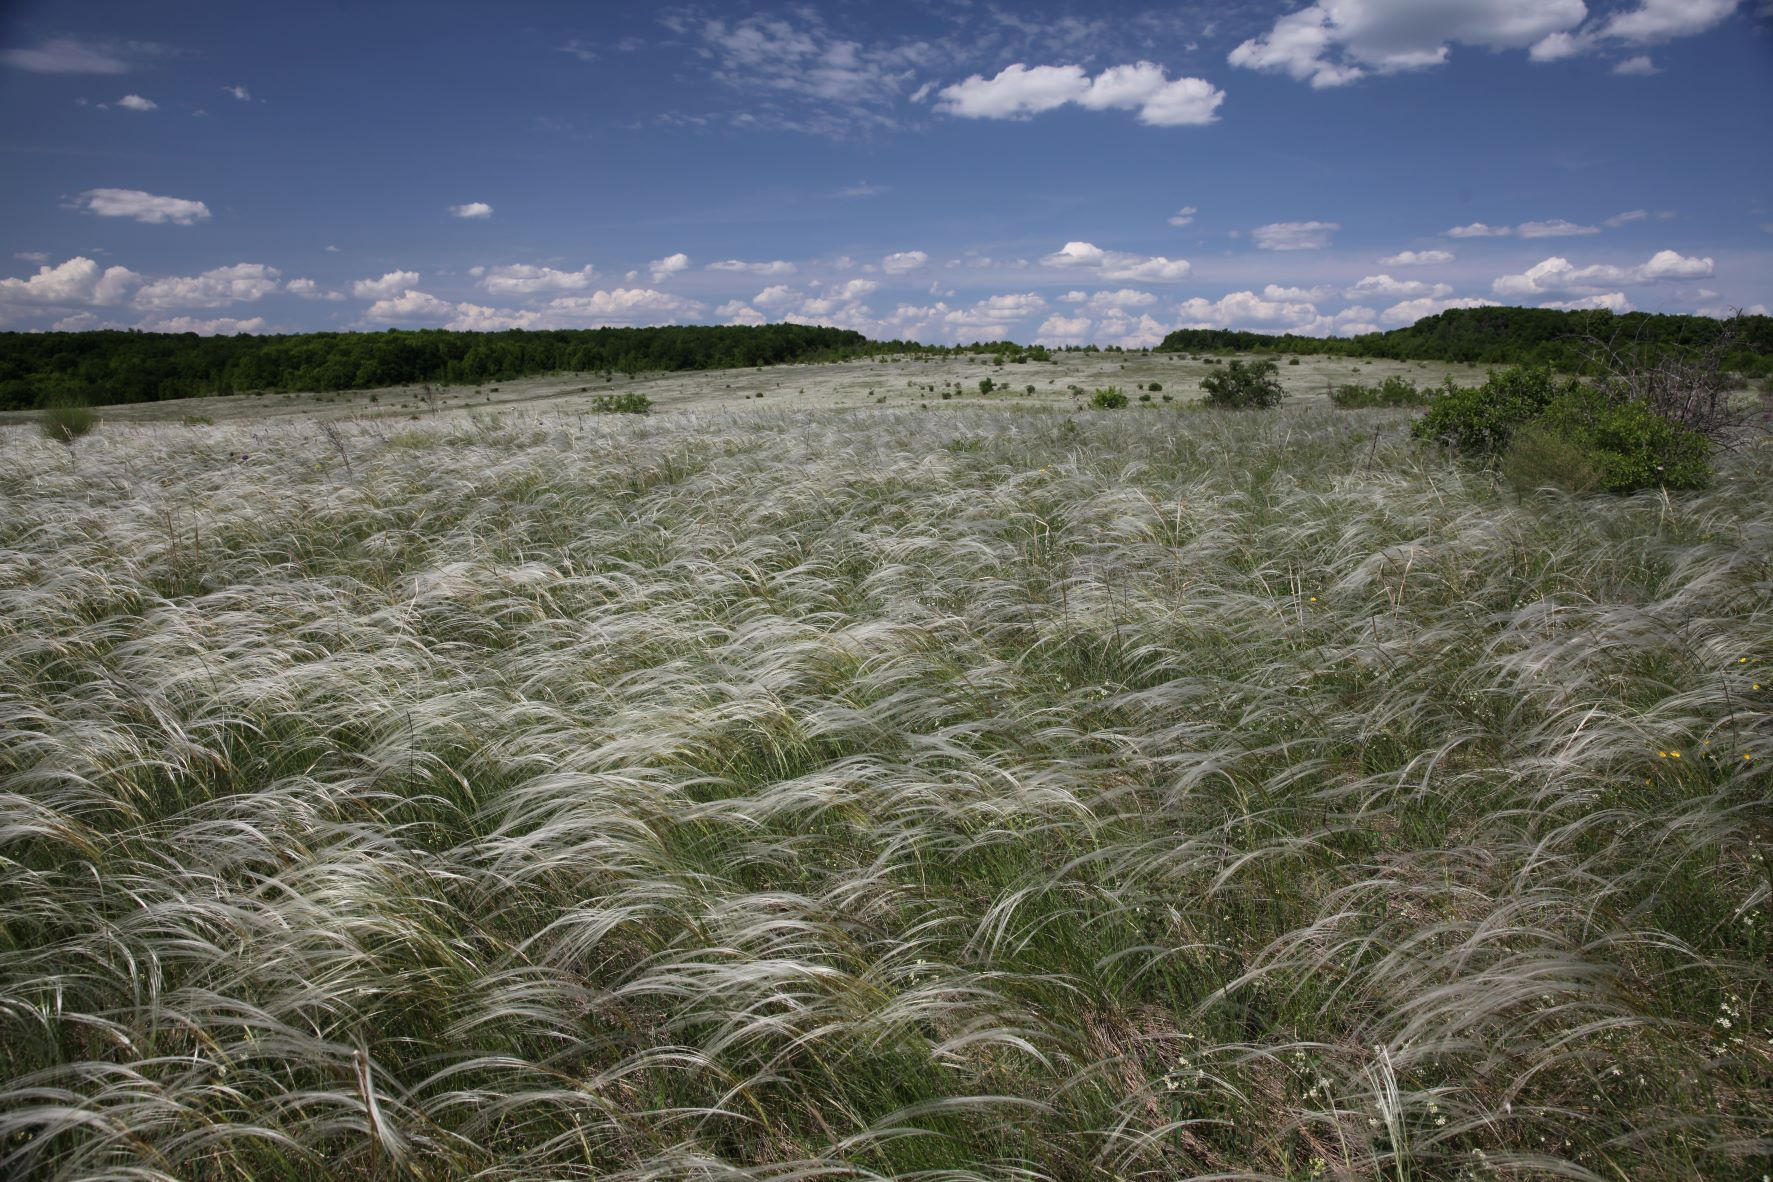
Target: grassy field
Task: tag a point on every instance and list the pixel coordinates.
(984, 790)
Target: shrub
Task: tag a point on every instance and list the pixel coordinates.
(1144, 398)
(198, 421)
(1244, 386)
(1393, 391)
(1628, 444)
(630, 403)
(1110, 398)
(66, 422)
(1156, 387)
(1292, 361)
(1479, 420)
(986, 386)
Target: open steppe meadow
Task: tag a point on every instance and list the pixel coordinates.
(967, 789)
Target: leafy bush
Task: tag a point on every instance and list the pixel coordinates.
(67, 422)
(1244, 386)
(630, 403)
(1155, 387)
(985, 384)
(1393, 391)
(1110, 398)
(1628, 443)
(1479, 420)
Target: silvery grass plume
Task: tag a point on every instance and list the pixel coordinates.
(983, 794)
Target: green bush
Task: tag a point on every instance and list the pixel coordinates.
(1629, 445)
(1156, 387)
(1393, 391)
(1479, 420)
(1541, 456)
(67, 422)
(1110, 398)
(630, 403)
(1244, 386)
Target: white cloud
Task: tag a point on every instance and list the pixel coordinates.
(1294, 235)
(902, 261)
(1663, 20)
(739, 312)
(1725, 311)
(409, 305)
(1183, 216)
(855, 289)
(1020, 92)
(1245, 309)
(77, 322)
(1103, 301)
(1556, 228)
(1637, 66)
(31, 256)
(221, 326)
(1410, 311)
(773, 267)
(1059, 329)
(671, 264)
(1116, 265)
(1335, 42)
(1416, 258)
(1480, 230)
(473, 209)
(239, 92)
(143, 207)
(65, 55)
(393, 283)
(622, 305)
(1558, 274)
(1295, 294)
(528, 279)
(78, 281)
(307, 289)
(241, 283)
(135, 102)
(1612, 301)
(775, 296)
(1385, 287)
(862, 189)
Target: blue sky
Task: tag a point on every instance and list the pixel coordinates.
(944, 170)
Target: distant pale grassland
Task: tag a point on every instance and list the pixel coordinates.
(971, 793)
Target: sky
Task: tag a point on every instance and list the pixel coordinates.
(938, 170)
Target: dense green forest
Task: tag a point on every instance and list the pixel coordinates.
(1514, 336)
(100, 368)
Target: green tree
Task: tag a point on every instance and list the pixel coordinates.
(1241, 386)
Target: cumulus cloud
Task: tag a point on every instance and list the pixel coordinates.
(739, 312)
(1559, 274)
(1335, 42)
(393, 283)
(220, 326)
(1556, 228)
(1308, 294)
(1245, 309)
(1416, 258)
(1021, 92)
(1638, 65)
(1117, 265)
(528, 279)
(775, 296)
(409, 305)
(142, 207)
(1655, 21)
(1612, 301)
(241, 283)
(1480, 230)
(902, 261)
(773, 267)
(854, 289)
(473, 209)
(623, 304)
(671, 264)
(31, 256)
(135, 102)
(1059, 329)
(1183, 216)
(1410, 311)
(1103, 301)
(307, 289)
(1385, 287)
(1294, 235)
(79, 281)
(239, 92)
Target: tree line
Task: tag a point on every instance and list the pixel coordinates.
(102, 368)
(1517, 336)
